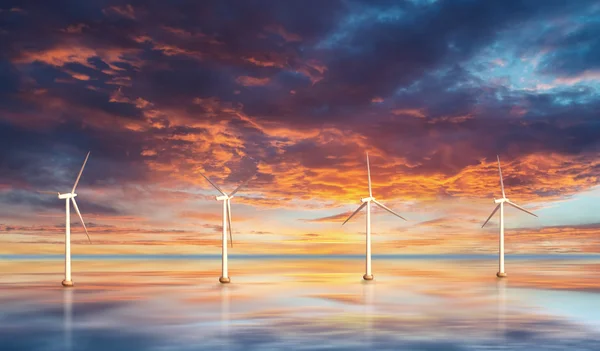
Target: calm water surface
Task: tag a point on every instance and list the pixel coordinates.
(426, 303)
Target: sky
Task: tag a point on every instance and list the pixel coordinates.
(297, 92)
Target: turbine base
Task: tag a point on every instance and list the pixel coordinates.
(368, 277)
(67, 283)
(224, 280)
(501, 275)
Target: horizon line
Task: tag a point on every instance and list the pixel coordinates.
(294, 256)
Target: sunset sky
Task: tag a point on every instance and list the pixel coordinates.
(298, 91)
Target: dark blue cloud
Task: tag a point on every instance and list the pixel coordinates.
(376, 57)
(45, 159)
(381, 53)
(9, 80)
(573, 53)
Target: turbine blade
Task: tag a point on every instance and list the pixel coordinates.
(520, 208)
(355, 212)
(81, 218)
(488, 219)
(81, 171)
(48, 192)
(241, 185)
(229, 222)
(213, 184)
(387, 209)
(501, 181)
(369, 173)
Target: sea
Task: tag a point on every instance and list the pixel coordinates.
(300, 302)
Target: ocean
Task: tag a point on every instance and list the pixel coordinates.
(300, 302)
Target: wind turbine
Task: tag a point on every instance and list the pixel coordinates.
(501, 202)
(367, 202)
(226, 220)
(70, 196)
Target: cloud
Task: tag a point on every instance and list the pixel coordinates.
(252, 81)
(572, 48)
(126, 11)
(284, 34)
(581, 77)
(334, 218)
(297, 93)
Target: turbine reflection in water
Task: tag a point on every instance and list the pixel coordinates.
(67, 318)
(225, 317)
(501, 291)
(368, 288)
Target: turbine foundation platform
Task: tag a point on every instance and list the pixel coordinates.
(501, 275)
(67, 283)
(224, 280)
(368, 277)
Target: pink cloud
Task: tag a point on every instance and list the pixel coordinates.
(585, 76)
(248, 81)
(287, 36)
(409, 112)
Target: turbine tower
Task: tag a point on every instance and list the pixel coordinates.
(501, 273)
(226, 223)
(70, 196)
(367, 202)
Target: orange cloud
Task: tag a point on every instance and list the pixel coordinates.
(73, 52)
(79, 76)
(393, 177)
(214, 144)
(252, 81)
(313, 69)
(262, 63)
(334, 219)
(195, 36)
(409, 112)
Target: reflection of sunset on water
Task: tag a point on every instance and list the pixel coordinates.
(443, 302)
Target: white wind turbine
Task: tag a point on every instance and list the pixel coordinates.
(70, 196)
(501, 202)
(226, 223)
(367, 202)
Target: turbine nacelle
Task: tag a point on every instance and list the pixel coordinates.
(71, 196)
(226, 210)
(503, 200)
(499, 201)
(368, 200)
